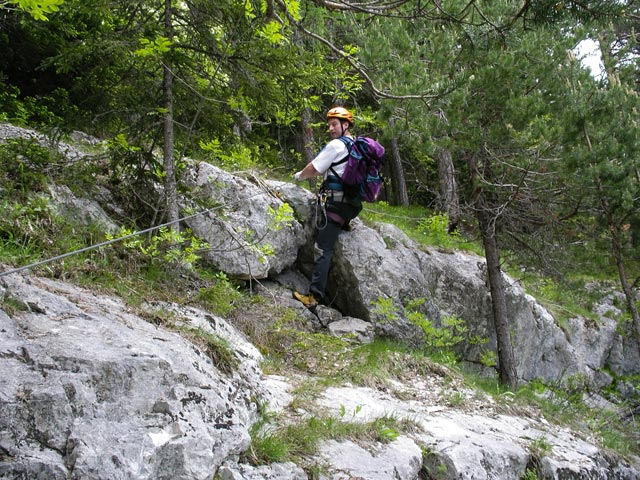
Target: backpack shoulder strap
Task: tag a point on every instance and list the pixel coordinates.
(348, 141)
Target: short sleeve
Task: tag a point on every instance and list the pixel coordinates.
(334, 151)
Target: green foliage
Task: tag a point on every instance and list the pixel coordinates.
(156, 47)
(38, 9)
(266, 446)
(433, 467)
(235, 158)
(24, 168)
(421, 225)
(167, 246)
(26, 228)
(12, 108)
(131, 163)
(221, 296)
(278, 219)
(434, 228)
(385, 310)
(11, 306)
(31, 228)
(489, 358)
(440, 341)
(282, 217)
(44, 111)
(300, 439)
(565, 300)
(530, 474)
(312, 353)
(540, 447)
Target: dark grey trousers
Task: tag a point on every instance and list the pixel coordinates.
(325, 242)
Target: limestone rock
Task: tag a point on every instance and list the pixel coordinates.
(352, 329)
(400, 459)
(472, 445)
(89, 390)
(244, 241)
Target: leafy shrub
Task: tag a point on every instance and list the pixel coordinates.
(132, 164)
(45, 110)
(221, 297)
(236, 157)
(440, 341)
(24, 166)
(26, 229)
(385, 309)
(168, 246)
(435, 231)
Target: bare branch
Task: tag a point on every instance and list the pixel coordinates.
(374, 7)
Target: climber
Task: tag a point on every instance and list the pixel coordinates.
(339, 208)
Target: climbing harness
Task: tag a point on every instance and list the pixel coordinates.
(321, 219)
(330, 190)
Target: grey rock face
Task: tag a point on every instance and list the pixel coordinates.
(80, 211)
(383, 263)
(277, 471)
(352, 329)
(91, 391)
(244, 240)
(70, 152)
(400, 459)
(463, 445)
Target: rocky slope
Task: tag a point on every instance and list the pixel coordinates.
(91, 390)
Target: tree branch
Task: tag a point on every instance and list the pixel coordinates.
(357, 66)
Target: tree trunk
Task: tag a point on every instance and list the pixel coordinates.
(617, 252)
(308, 144)
(448, 189)
(398, 182)
(626, 287)
(614, 80)
(169, 163)
(506, 360)
(507, 364)
(308, 150)
(616, 249)
(307, 147)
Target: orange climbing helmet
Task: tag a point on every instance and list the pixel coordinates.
(341, 113)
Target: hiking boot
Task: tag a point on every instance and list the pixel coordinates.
(308, 301)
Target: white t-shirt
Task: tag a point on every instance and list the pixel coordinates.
(333, 151)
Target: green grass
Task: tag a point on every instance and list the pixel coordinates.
(421, 224)
(279, 440)
(565, 299)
